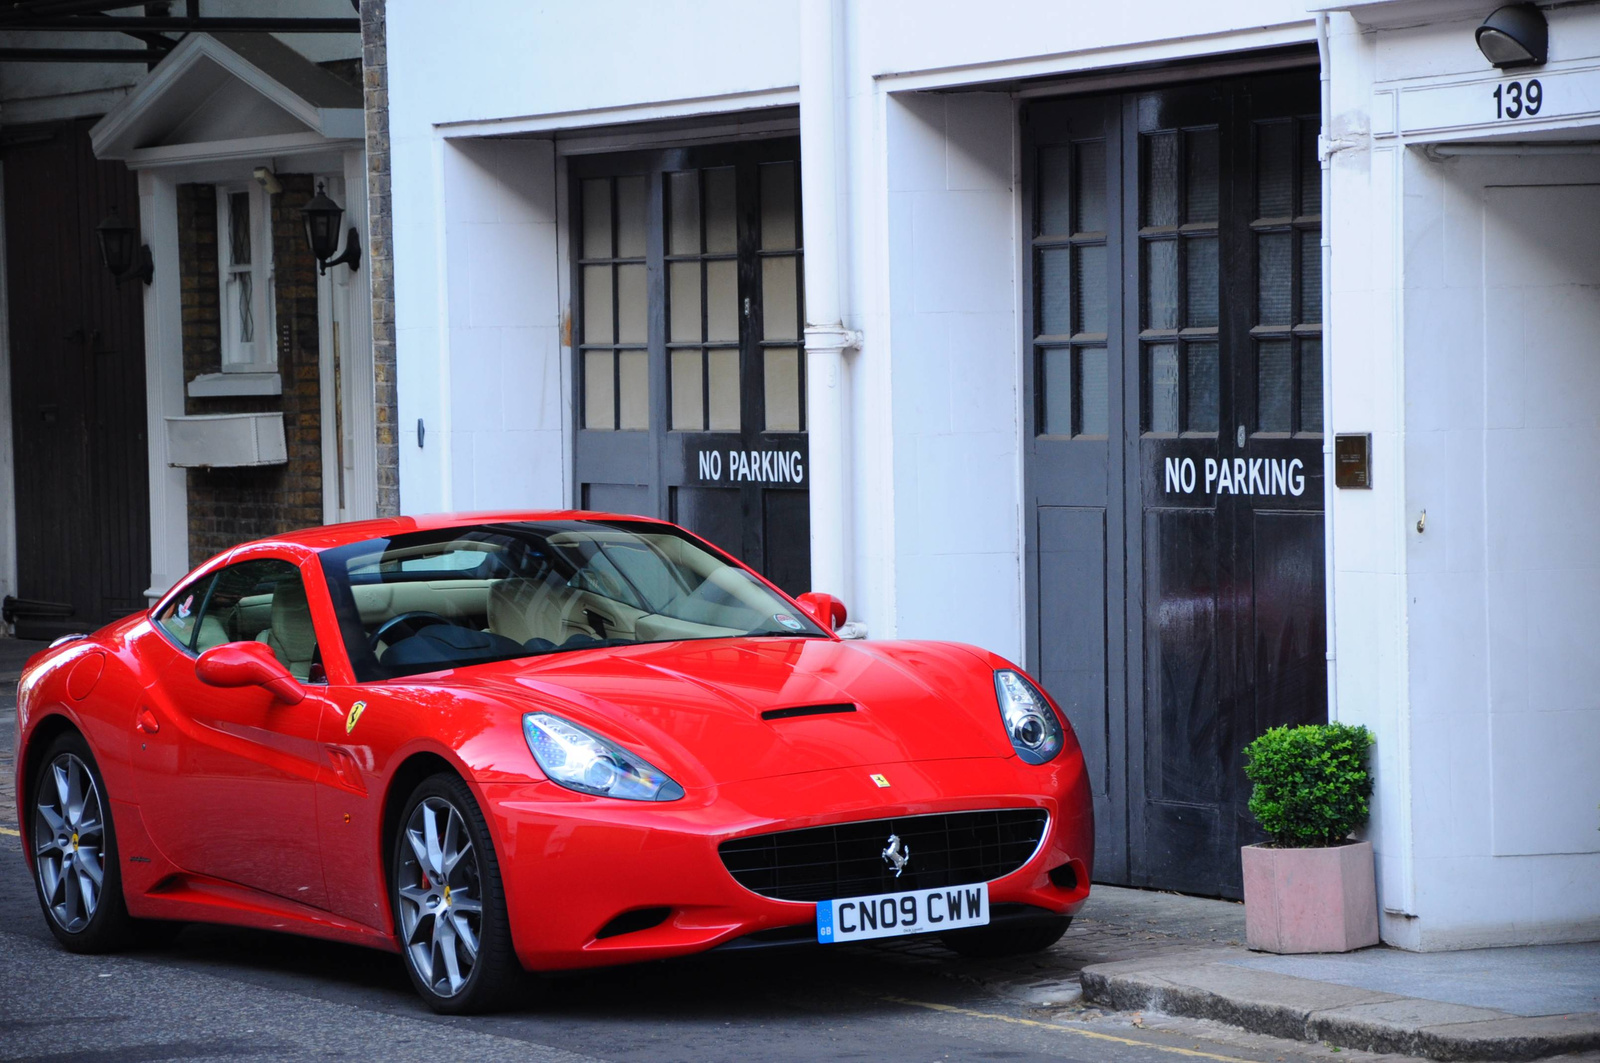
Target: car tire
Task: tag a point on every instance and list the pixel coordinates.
(1017, 939)
(73, 839)
(433, 880)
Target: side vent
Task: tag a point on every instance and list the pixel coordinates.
(634, 921)
(807, 710)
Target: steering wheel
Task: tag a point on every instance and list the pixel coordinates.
(415, 620)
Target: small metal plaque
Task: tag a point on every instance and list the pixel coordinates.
(1352, 459)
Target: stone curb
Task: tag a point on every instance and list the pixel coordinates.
(1200, 987)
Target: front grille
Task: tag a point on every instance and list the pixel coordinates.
(846, 860)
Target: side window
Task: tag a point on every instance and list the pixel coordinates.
(178, 618)
(262, 601)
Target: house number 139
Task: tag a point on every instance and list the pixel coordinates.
(1515, 99)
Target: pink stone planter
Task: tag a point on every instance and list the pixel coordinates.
(1310, 900)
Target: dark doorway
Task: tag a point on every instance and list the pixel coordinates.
(689, 324)
(77, 388)
(1176, 452)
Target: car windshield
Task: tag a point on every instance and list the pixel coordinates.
(426, 601)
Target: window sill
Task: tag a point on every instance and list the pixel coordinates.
(213, 385)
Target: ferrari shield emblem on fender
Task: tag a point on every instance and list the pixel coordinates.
(355, 714)
(897, 854)
(881, 781)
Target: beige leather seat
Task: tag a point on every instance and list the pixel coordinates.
(292, 638)
(523, 609)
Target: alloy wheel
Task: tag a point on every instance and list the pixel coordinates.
(69, 842)
(441, 896)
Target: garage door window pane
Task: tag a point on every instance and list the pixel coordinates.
(1055, 370)
(1094, 404)
(1161, 284)
(1310, 385)
(1202, 174)
(780, 314)
(633, 381)
(631, 216)
(1201, 400)
(599, 391)
(778, 223)
(1055, 202)
(683, 213)
(1274, 385)
(781, 366)
(1089, 190)
(1055, 292)
(724, 372)
(688, 396)
(597, 218)
(683, 283)
(1200, 282)
(597, 304)
(1162, 360)
(722, 300)
(633, 304)
(721, 224)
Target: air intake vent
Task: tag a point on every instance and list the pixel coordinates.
(846, 860)
(807, 710)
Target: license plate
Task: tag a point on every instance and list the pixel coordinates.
(894, 914)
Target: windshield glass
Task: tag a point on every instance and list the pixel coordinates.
(431, 600)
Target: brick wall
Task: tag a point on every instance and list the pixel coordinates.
(375, 80)
(230, 506)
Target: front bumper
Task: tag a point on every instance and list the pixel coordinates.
(572, 864)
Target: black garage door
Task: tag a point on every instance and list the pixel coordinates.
(690, 368)
(1175, 462)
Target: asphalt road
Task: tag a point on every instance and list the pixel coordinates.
(218, 993)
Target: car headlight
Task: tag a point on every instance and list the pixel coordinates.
(583, 761)
(1031, 724)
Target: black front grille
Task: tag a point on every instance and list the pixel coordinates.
(846, 860)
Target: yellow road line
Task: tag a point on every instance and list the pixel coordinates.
(13, 833)
(1091, 1034)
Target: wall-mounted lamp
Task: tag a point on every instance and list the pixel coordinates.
(322, 233)
(1515, 36)
(124, 255)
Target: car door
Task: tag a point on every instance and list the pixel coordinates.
(226, 775)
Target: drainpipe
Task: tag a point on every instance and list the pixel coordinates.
(822, 170)
(1325, 157)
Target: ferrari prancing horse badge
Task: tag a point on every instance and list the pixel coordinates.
(355, 714)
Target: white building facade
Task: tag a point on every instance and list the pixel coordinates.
(1035, 345)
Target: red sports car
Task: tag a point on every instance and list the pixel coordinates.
(536, 741)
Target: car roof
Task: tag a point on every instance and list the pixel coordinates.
(328, 536)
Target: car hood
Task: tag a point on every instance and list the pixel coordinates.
(694, 709)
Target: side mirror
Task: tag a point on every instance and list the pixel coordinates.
(245, 664)
(825, 609)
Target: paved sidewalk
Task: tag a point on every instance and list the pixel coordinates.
(1135, 950)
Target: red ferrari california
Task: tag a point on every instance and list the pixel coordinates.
(537, 741)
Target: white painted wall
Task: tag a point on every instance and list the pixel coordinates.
(505, 382)
(1467, 297)
(953, 341)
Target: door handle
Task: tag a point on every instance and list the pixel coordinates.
(146, 721)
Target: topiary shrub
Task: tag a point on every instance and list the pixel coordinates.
(1311, 783)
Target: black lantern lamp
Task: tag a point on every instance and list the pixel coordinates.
(1515, 36)
(124, 255)
(321, 216)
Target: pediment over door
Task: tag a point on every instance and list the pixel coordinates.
(222, 96)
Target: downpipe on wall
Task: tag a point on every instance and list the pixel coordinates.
(1325, 158)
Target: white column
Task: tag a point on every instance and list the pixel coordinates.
(822, 172)
(163, 375)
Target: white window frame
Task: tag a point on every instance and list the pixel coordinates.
(260, 354)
